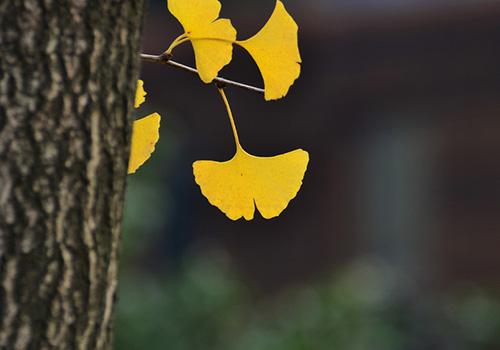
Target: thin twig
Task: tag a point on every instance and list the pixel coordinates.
(165, 59)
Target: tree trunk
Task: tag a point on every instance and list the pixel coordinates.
(68, 73)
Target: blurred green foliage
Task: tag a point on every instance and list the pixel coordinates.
(204, 306)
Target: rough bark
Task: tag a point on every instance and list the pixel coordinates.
(68, 72)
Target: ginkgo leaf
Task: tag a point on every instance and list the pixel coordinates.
(246, 181)
(212, 38)
(275, 50)
(145, 135)
(140, 94)
(239, 185)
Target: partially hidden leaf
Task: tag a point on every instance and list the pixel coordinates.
(275, 50)
(246, 181)
(140, 94)
(212, 38)
(145, 135)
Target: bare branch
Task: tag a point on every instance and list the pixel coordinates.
(165, 59)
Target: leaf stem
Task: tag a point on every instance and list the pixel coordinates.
(179, 40)
(231, 118)
(213, 39)
(165, 59)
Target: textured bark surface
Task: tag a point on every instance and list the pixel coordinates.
(68, 72)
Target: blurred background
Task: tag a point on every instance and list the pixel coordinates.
(393, 241)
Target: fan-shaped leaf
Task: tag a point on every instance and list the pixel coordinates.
(212, 38)
(246, 181)
(275, 50)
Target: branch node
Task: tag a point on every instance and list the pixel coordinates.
(165, 57)
(220, 84)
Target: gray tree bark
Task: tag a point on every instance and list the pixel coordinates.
(68, 73)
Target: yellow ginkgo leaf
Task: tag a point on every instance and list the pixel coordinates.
(212, 38)
(246, 181)
(145, 135)
(140, 94)
(275, 50)
(239, 185)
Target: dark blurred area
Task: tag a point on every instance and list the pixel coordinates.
(393, 241)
